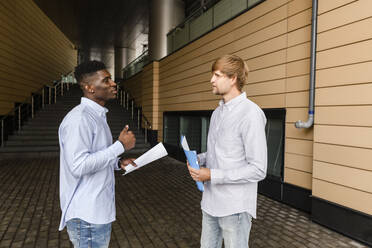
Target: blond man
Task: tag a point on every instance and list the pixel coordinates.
(235, 161)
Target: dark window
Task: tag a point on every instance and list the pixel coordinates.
(275, 141)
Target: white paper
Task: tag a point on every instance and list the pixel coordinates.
(184, 143)
(151, 155)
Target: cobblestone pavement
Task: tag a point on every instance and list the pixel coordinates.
(157, 206)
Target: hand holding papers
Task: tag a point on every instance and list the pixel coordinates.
(151, 155)
(192, 158)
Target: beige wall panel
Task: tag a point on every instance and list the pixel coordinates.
(270, 87)
(206, 85)
(269, 46)
(350, 54)
(344, 95)
(298, 52)
(206, 105)
(187, 64)
(196, 79)
(298, 68)
(264, 9)
(10, 77)
(186, 74)
(267, 33)
(326, 5)
(344, 115)
(343, 75)
(344, 35)
(302, 147)
(299, 178)
(268, 60)
(149, 91)
(298, 133)
(196, 88)
(297, 99)
(262, 22)
(297, 6)
(344, 155)
(341, 135)
(267, 74)
(298, 162)
(298, 83)
(5, 107)
(346, 176)
(295, 114)
(14, 85)
(299, 36)
(269, 101)
(355, 11)
(355, 199)
(194, 97)
(12, 91)
(11, 98)
(36, 51)
(299, 20)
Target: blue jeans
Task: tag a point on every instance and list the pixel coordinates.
(85, 235)
(233, 229)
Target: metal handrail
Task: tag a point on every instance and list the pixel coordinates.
(18, 109)
(133, 66)
(126, 99)
(196, 13)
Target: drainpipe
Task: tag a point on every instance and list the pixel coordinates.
(314, 21)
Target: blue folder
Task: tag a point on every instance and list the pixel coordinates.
(193, 161)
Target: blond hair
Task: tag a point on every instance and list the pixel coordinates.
(232, 65)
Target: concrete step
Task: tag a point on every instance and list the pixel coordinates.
(48, 143)
(39, 136)
(29, 149)
(47, 140)
(51, 128)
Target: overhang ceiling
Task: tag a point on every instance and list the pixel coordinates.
(98, 23)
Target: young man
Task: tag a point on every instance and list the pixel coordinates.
(235, 161)
(88, 159)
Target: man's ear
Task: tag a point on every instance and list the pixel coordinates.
(234, 80)
(88, 87)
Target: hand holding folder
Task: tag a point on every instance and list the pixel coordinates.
(192, 158)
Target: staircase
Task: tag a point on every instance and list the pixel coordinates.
(39, 136)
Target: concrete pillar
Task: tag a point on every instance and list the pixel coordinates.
(106, 56)
(121, 60)
(164, 16)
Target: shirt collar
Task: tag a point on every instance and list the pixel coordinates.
(100, 110)
(233, 102)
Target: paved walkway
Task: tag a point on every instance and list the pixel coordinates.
(157, 206)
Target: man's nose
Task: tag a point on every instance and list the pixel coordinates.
(212, 79)
(112, 82)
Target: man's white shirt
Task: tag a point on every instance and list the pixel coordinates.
(236, 156)
(88, 159)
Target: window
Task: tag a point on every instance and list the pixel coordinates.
(275, 141)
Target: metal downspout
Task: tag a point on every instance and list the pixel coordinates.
(314, 23)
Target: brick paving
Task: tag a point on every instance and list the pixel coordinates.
(157, 206)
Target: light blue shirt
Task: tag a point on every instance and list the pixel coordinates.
(87, 163)
(236, 156)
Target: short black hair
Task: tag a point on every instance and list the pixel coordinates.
(88, 68)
